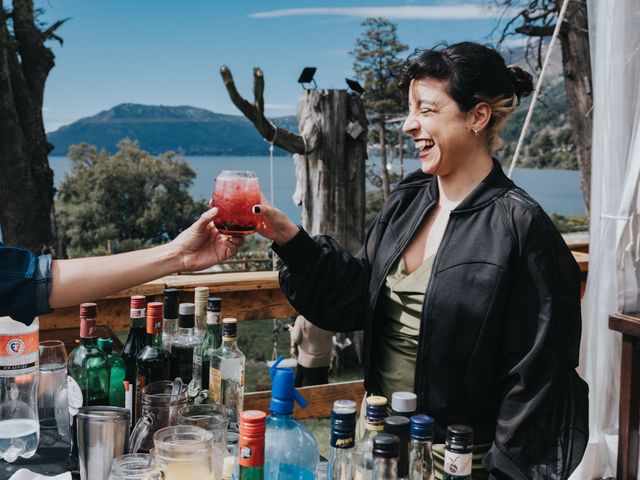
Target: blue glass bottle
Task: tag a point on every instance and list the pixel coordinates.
(291, 452)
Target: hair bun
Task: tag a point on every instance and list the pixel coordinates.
(522, 81)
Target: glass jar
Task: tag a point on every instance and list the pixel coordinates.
(184, 452)
(134, 466)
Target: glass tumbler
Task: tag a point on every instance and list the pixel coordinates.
(235, 193)
(52, 388)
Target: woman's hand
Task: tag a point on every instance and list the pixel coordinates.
(202, 245)
(273, 224)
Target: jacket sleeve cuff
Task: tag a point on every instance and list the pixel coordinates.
(42, 277)
(300, 253)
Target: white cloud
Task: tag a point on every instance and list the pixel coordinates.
(405, 12)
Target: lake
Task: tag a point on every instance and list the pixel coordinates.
(558, 191)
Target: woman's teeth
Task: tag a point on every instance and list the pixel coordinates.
(424, 144)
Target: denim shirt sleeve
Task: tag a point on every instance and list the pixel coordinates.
(25, 284)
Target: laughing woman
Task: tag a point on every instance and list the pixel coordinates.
(466, 292)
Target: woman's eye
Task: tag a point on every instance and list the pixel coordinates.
(426, 111)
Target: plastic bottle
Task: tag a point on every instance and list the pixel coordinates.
(283, 462)
(19, 426)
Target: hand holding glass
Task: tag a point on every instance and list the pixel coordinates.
(235, 194)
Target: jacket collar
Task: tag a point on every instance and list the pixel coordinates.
(493, 186)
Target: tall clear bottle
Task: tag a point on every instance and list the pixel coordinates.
(458, 451)
(363, 452)
(420, 452)
(400, 427)
(342, 440)
(88, 375)
(19, 426)
(184, 344)
(226, 373)
(211, 342)
(117, 372)
(132, 348)
(385, 457)
(170, 301)
(201, 295)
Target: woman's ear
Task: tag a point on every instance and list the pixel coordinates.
(479, 117)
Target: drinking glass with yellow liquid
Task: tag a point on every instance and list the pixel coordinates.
(183, 452)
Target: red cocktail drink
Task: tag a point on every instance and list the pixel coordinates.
(235, 194)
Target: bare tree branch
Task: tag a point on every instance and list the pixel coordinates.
(536, 31)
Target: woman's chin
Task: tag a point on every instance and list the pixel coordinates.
(429, 164)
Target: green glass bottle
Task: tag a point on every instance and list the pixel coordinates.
(210, 343)
(88, 375)
(117, 370)
(251, 445)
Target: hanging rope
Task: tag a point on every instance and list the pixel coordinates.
(536, 93)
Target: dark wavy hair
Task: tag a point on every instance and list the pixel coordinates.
(473, 73)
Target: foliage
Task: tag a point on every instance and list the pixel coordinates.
(571, 223)
(125, 201)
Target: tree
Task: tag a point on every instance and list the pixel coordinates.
(26, 181)
(537, 19)
(376, 57)
(125, 201)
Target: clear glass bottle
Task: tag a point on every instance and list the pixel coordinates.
(420, 452)
(184, 344)
(18, 389)
(211, 342)
(132, 348)
(134, 466)
(363, 452)
(170, 301)
(226, 373)
(251, 445)
(281, 461)
(400, 427)
(88, 375)
(404, 404)
(201, 295)
(342, 440)
(458, 451)
(385, 457)
(117, 372)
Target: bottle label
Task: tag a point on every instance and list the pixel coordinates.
(128, 400)
(74, 394)
(87, 328)
(138, 313)
(342, 440)
(251, 451)
(457, 464)
(215, 385)
(213, 318)
(18, 354)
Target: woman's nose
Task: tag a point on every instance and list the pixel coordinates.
(410, 124)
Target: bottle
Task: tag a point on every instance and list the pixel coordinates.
(400, 427)
(18, 389)
(170, 302)
(226, 373)
(251, 445)
(184, 344)
(117, 371)
(132, 348)
(363, 453)
(211, 342)
(88, 375)
(404, 404)
(201, 295)
(458, 449)
(342, 440)
(385, 457)
(420, 453)
(228, 467)
(153, 361)
(281, 461)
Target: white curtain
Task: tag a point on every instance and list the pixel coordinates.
(613, 282)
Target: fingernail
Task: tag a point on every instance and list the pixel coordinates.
(256, 209)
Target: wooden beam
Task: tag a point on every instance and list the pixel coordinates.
(320, 398)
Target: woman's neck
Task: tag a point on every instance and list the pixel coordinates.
(456, 186)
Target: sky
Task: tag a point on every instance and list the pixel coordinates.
(169, 53)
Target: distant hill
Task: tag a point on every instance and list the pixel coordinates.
(194, 131)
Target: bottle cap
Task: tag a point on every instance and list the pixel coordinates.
(186, 315)
(228, 465)
(397, 425)
(376, 412)
(344, 406)
(252, 423)
(170, 301)
(201, 294)
(343, 424)
(229, 328)
(154, 317)
(404, 402)
(283, 392)
(386, 445)
(88, 310)
(88, 313)
(421, 427)
(105, 344)
(138, 302)
(187, 309)
(214, 304)
(459, 437)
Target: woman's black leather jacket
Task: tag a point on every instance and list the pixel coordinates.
(500, 330)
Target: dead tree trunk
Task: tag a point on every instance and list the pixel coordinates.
(26, 181)
(329, 156)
